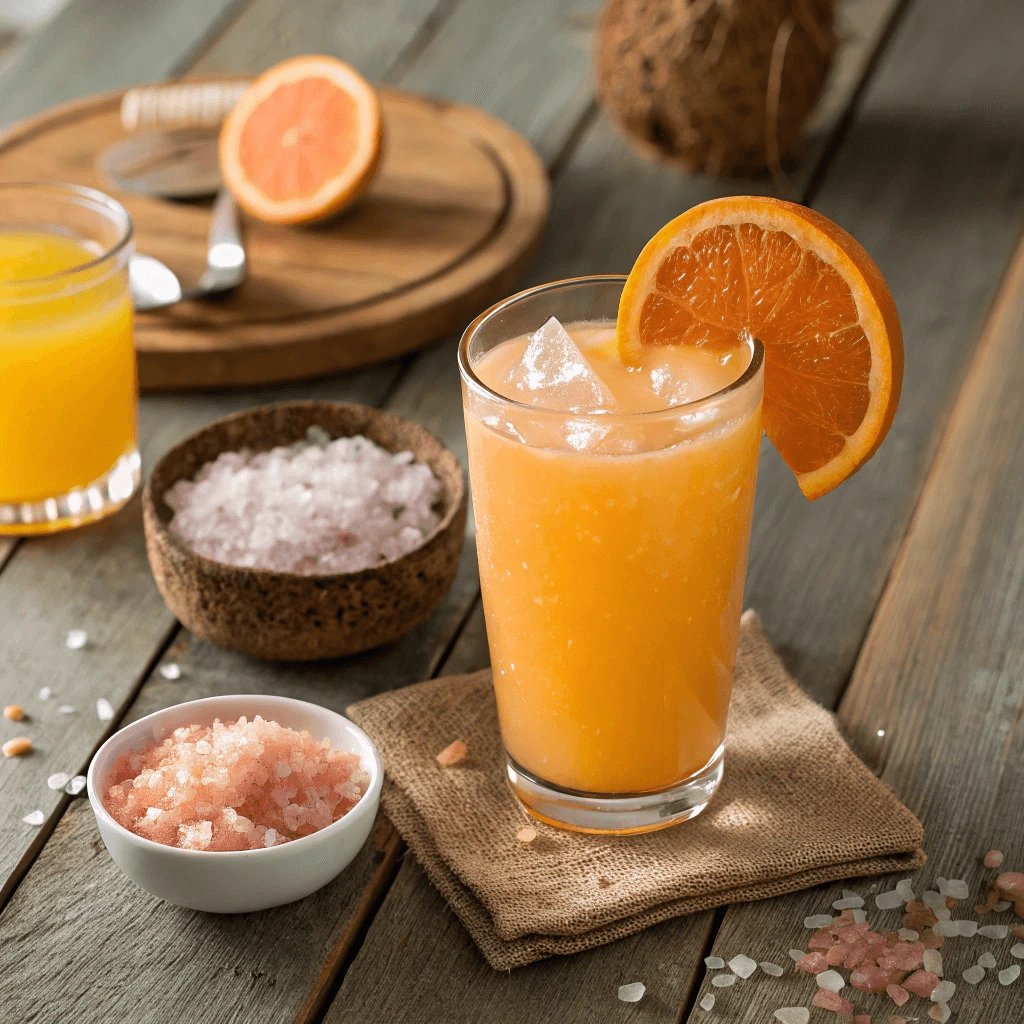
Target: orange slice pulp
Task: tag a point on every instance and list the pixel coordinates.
(302, 142)
(833, 347)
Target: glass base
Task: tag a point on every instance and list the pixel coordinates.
(81, 505)
(615, 813)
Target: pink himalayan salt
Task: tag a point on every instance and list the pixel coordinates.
(921, 983)
(862, 1018)
(452, 754)
(240, 786)
(993, 858)
(869, 978)
(897, 993)
(832, 1001)
(1011, 885)
(904, 956)
(822, 939)
(813, 963)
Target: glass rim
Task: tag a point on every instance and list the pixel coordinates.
(753, 368)
(117, 213)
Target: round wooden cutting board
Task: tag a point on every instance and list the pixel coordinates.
(452, 217)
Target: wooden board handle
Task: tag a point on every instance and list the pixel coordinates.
(182, 105)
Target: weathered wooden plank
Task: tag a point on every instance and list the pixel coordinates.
(816, 570)
(936, 704)
(95, 45)
(7, 546)
(371, 35)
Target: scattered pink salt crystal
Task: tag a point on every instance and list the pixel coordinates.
(869, 978)
(526, 835)
(1011, 886)
(821, 939)
(452, 754)
(993, 858)
(897, 993)
(852, 932)
(813, 963)
(832, 1001)
(862, 1018)
(921, 983)
(939, 1012)
(221, 787)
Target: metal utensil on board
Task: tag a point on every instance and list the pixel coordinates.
(179, 165)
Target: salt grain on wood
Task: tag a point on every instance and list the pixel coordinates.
(905, 889)
(742, 965)
(987, 960)
(632, 993)
(993, 858)
(849, 903)
(957, 888)
(16, 747)
(66, 709)
(319, 506)
(939, 1012)
(1017, 951)
(793, 1015)
(58, 780)
(14, 712)
(723, 980)
(775, 971)
(44, 693)
(76, 785)
(797, 954)
(1002, 906)
(860, 916)
(943, 992)
(708, 1002)
(818, 921)
(933, 961)
(831, 980)
(974, 974)
(171, 671)
(908, 934)
(714, 963)
(33, 818)
(933, 899)
(104, 710)
(889, 900)
(994, 931)
(1009, 975)
(76, 639)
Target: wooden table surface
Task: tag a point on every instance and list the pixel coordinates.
(896, 600)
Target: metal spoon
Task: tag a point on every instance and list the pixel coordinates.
(178, 165)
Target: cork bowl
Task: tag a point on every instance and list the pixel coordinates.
(282, 616)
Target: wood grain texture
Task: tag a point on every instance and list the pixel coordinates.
(96, 45)
(7, 546)
(941, 676)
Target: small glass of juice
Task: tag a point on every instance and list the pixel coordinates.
(68, 392)
(613, 507)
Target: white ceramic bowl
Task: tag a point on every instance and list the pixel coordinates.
(234, 882)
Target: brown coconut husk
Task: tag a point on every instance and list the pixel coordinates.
(720, 86)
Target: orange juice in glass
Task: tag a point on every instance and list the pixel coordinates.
(68, 392)
(613, 509)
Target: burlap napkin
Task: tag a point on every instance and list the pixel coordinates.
(796, 808)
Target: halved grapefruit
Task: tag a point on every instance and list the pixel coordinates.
(303, 141)
(809, 292)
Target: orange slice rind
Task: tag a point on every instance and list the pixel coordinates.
(748, 265)
(303, 141)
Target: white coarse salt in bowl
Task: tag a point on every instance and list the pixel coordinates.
(235, 882)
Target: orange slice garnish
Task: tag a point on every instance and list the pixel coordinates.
(748, 265)
(303, 141)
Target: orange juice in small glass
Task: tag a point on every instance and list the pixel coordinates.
(613, 547)
(68, 393)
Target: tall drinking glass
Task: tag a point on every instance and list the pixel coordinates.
(613, 550)
(68, 392)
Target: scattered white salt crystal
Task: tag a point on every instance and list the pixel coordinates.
(818, 921)
(310, 508)
(905, 889)
(849, 903)
(908, 935)
(104, 710)
(708, 1002)
(723, 980)
(33, 818)
(1018, 951)
(889, 900)
(940, 884)
(957, 888)
(714, 963)
(1009, 975)
(632, 993)
(943, 992)
(974, 974)
(203, 747)
(933, 899)
(942, 913)
(987, 960)
(965, 928)
(742, 965)
(831, 980)
(797, 955)
(1002, 906)
(172, 670)
(849, 894)
(994, 931)
(75, 786)
(44, 693)
(76, 639)
(772, 969)
(793, 1015)
(58, 780)
(946, 928)
(66, 709)
(860, 916)
(933, 961)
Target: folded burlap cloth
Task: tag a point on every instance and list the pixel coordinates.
(796, 808)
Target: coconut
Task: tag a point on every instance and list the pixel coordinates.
(721, 86)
